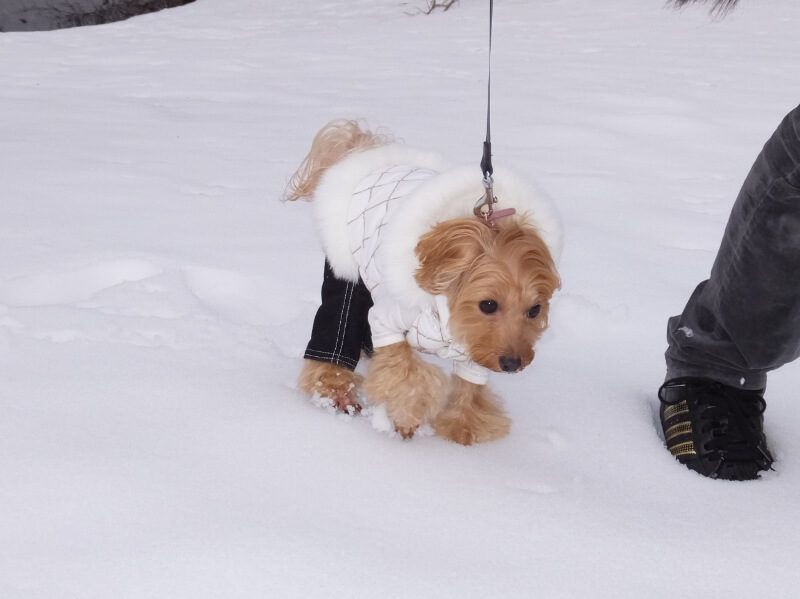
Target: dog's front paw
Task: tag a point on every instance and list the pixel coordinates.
(456, 432)
(407, 432)
(332, 382)
(472, 426)
(471, 415)
(412, 390)
(345, 403)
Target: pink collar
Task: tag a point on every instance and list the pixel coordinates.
(498, 214)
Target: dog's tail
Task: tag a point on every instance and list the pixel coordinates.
(335, 141)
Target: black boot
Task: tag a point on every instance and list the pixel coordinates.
(715, 429)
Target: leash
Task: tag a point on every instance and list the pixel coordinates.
(486, 159)
(484, 208)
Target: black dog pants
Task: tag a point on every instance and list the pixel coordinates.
(341, 329)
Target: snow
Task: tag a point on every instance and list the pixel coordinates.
(156, 298)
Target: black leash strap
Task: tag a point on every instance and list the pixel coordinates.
(486, 161)
(484, 208)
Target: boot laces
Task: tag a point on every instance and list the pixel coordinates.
(728, 420)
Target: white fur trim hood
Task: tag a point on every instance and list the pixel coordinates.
(452, 193)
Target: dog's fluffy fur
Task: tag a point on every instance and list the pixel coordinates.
(451, 254)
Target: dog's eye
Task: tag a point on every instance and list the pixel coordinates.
(488, 306)
(534, 312)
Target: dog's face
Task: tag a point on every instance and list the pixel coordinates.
(498, 282)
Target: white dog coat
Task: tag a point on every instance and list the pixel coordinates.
(372, 208)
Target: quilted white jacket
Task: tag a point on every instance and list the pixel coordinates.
(372, 208)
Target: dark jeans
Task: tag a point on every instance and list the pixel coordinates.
(745, 319)
(341, 329)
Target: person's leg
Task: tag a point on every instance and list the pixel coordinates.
(745, 319)
(741, 323)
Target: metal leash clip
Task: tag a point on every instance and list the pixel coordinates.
(484, 206)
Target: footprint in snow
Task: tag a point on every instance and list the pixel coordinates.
(75, 285)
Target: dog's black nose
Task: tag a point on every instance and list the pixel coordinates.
(510, 363)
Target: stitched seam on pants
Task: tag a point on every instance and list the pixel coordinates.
(330, 357)
(347, 291)
(343, 319)
(327, 353)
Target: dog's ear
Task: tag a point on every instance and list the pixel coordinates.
(447, 250)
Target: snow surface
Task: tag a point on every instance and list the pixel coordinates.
(156, 297)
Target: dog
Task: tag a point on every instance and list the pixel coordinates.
(443, 281)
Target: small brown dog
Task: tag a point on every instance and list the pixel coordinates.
(442, 280)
